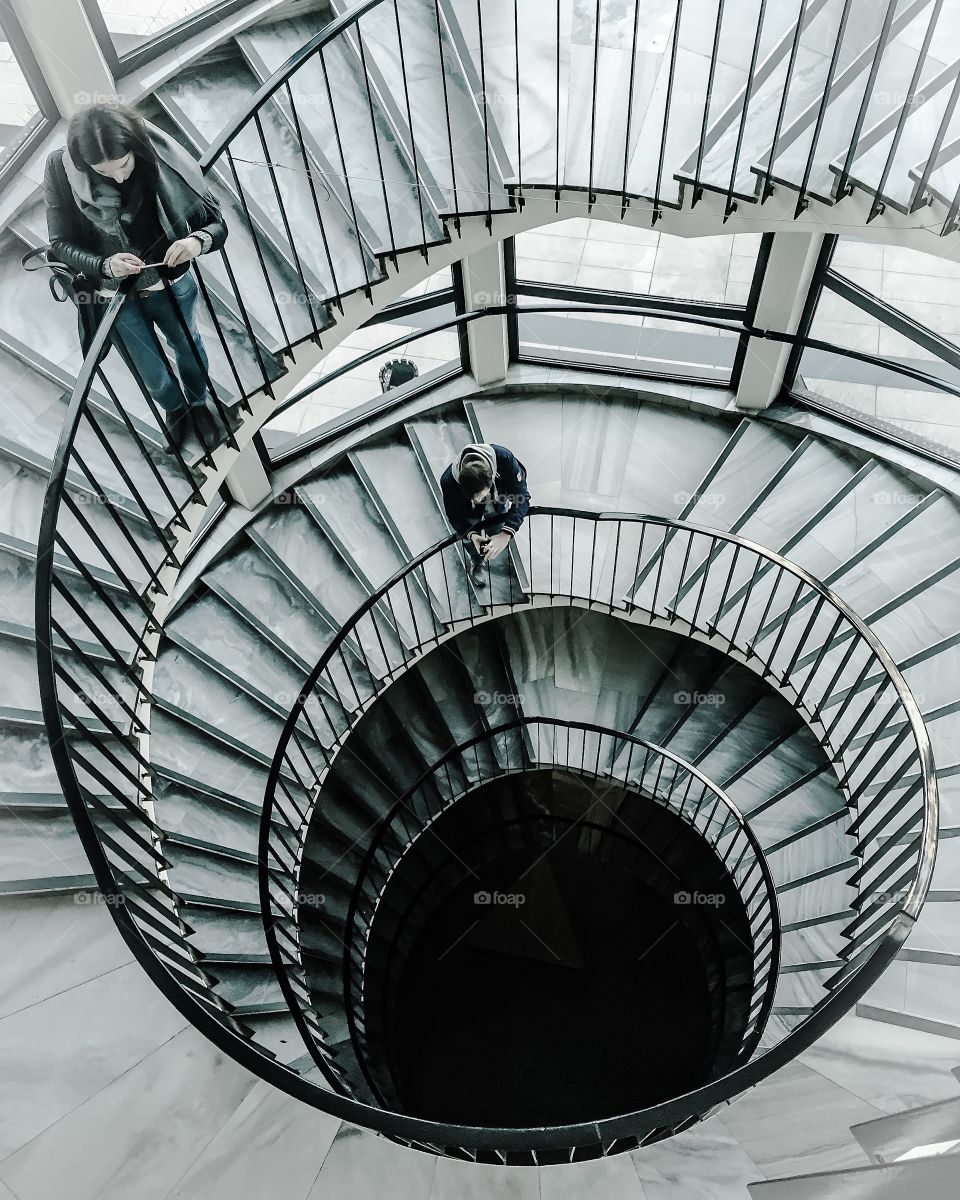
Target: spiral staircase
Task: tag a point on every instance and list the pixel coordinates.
(248, 710)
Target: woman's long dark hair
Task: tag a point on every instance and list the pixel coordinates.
(106, 132)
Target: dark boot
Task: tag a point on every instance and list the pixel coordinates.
(209, 425)
(178, 425)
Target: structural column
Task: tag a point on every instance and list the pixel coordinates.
(247, 481)
(67, 52)
(484, 283)
(783, 294)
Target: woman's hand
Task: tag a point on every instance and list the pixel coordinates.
(124, 264)
(182, 251)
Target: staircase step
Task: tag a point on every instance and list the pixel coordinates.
(362, 136)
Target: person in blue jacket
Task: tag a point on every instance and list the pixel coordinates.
(482, 481)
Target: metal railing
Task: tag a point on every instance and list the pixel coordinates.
(119, 508)
(591, 751)
(723, 589)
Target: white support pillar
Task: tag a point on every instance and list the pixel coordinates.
(790, 267)
(67, 52)
(484, 283)
(247, 481)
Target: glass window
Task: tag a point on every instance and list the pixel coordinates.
(18, 107)
(134, 23)
(922, 286)
(25, 102)
(429, 353)
(900, 282)
(622, 258)
(650, 345)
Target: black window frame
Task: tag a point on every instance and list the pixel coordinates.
(167, 39)
(520, 289)
(826, 278)
(48, 113)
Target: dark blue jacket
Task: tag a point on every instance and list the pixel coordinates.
(510, 482)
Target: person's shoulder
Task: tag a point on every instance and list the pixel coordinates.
(54, 163)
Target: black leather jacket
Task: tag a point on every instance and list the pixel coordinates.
(77, 242)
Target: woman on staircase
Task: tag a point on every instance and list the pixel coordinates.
(124, 199)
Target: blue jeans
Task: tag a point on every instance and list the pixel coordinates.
(137, 326)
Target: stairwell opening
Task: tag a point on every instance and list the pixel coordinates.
(554, 949)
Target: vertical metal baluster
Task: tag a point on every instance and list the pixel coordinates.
(802, 641)
(730, 205)
(703, 582)
(803, 202)
(683, 570)
(624, 202)
(950, 221)
(767, 187)
(351, 204)
(252, 229)
(413, 138)
(711, 73)
(516, 67)
(616, 556)
(281, 208)
(842, 187)
(745, 602)
(485, 117)
(711, 626)
(222, 338)
(656, 213)
(147, 452)
(573, 553)
(446, 109)
(413, 615)
(552, 540)
(768, 666)
(593, 555)
(930, 165)
(656, 582)
(877, 206)
(315, 201)
(781, 572)
(556, 192)
(591, 198)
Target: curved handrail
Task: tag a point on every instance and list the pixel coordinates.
(864, 631)
(766, 928)
(869, 961)
(191, 993)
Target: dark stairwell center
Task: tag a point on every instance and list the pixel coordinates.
(556, 950)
